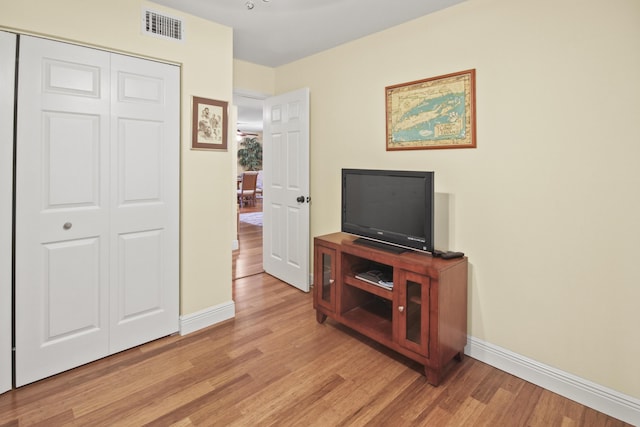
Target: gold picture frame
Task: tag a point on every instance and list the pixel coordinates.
(438, 112)
(209, 124)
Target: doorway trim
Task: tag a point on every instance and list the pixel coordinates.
(7, 74)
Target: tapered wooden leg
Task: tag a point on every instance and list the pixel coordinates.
(320, 317)
(433, 376)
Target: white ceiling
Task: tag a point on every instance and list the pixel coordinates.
(249, 110)
(276, 32)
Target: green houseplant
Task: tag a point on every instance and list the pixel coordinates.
(250, 155)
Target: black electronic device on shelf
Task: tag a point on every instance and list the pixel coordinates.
(380, 277)
(394, 208)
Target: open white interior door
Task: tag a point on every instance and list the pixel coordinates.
(7, 74)
(286, 188)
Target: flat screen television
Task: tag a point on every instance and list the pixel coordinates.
(393, 209)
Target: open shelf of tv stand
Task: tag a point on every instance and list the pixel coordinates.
(424, 315)
(368, 287)
(368, 322)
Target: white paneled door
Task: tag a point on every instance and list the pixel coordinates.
(286, 182)
(97, 177)
(7, 79)
(144, 201)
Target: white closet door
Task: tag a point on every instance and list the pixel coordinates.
(90, 274)
(7, 77)
(144, 200)
(62, 212)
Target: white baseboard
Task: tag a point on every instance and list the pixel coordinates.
(209, 316)
(603, 399)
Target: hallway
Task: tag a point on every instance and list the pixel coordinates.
(247, 260)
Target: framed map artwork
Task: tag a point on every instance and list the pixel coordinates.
(209, 126)
(438, 112)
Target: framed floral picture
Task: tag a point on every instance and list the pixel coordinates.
(209, 124)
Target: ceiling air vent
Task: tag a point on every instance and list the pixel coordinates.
(158, 25)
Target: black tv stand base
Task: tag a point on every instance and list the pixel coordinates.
(380, 245)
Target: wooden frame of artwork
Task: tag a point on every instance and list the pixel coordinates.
(209, 124)
(438, 112)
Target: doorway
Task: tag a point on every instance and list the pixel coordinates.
(247, 259)
(286, 200)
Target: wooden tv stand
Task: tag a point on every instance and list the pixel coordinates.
(423, 316)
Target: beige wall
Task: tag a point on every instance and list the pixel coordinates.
(207, 67)
(253, 78)
(547, 206)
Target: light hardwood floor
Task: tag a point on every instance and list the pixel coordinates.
(274, 365)
(248, 259)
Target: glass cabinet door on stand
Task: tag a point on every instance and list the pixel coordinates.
(325, 277)
(413, 311)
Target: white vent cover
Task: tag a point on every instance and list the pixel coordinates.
(158, 25)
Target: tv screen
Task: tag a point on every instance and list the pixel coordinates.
(390, 207)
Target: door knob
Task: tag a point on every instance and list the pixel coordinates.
(401, 308)
(300, 199)
(67, 225)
